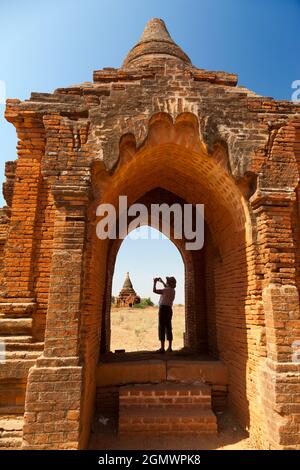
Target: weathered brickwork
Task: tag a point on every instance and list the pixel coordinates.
(172, 408)
(157, 129)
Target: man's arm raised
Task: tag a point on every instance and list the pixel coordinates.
(155, 290)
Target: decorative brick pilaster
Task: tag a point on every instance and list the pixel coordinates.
(52, 406)
(22, 192)
(54, 390)
(280, 375)
(280, 386)
(277, 257)
(20, 244)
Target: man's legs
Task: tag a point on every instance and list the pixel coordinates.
(161, 328)
(169, 332)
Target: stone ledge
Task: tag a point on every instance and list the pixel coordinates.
(115, 75)
(130, 372)
(221, 78)
(57, 362)
(154, 371)
(212, 372)
(16, 368)
(17, 309)
(15, 326)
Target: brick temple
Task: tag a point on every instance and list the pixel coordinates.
(158, 129)
(127, 296)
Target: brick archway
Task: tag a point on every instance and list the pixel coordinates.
(107, 330)
(233, 302)
(228, 253)
(195, 316)
(156, 122)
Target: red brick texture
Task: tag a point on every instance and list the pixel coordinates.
(171, 408)
(158, 129)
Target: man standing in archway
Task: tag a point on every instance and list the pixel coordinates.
(167, 295)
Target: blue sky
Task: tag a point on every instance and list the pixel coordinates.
(148, 257)
(49, 44)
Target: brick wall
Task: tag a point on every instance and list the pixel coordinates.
(200, 138)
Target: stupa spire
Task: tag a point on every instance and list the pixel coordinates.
(127, 283)
(155, 43)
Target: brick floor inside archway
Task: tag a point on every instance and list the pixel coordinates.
(231, 436)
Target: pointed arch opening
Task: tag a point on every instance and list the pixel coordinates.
(218, 289)
(144, 254)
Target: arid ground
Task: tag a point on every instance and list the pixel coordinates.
(136, 329)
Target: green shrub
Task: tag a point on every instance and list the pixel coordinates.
(147, 302)
(138, 305)
(144, 303)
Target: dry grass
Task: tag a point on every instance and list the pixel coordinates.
(136, 329)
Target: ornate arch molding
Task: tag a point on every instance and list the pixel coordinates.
(163, 128)
(202, 129)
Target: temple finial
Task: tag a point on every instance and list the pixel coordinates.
(154, 44)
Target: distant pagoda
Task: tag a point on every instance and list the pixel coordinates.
(127, 296)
